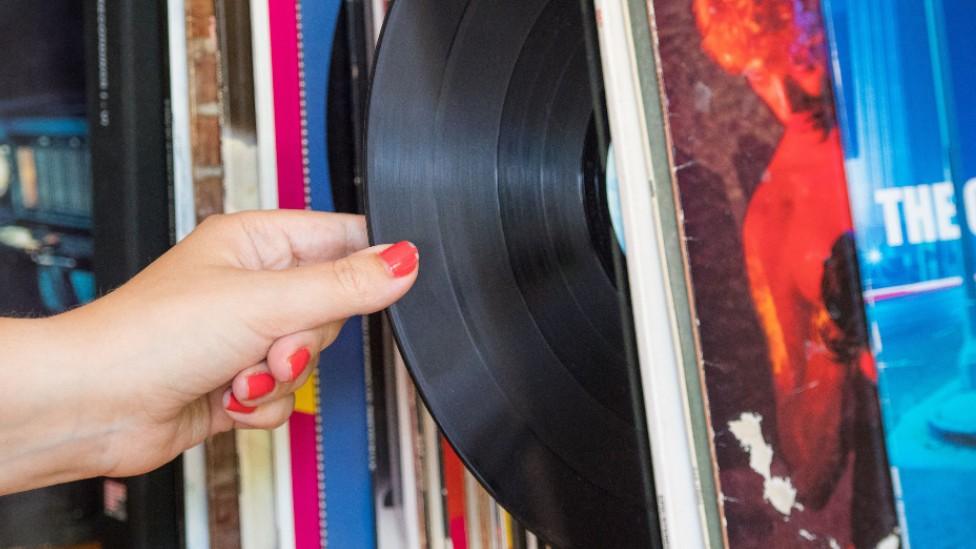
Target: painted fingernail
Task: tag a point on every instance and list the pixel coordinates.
(401, 258)
(259, 385)
(234, 405)
(299, 361)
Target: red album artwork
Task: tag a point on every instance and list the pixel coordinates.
(759, 169)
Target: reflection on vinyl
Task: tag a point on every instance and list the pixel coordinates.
(484, 147)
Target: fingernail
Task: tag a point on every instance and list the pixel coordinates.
(299, 361)
(401, 258)
(259, 385)
(235, 405)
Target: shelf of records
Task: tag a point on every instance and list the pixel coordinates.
(789, 199)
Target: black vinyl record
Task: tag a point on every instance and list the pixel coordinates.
(483, 149)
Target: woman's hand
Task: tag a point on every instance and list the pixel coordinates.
(218, 332)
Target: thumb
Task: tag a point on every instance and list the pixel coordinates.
(362, 283)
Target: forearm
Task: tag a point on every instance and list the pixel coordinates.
(50, 428)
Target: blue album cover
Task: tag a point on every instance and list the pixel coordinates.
(904, 79)
(349, 517)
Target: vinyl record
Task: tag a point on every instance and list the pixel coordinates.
(482, 149)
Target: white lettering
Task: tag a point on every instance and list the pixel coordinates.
(943, 199)
(889, 199)
(919, 218)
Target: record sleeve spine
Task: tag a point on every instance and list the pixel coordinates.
(633, 101)
(239, 150)
(305, 525)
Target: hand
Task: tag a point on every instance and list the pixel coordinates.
(217, 333)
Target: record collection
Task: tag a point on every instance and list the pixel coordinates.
(694, 273)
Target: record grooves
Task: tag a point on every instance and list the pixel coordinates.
(481, 149)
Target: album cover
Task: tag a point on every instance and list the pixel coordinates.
(238, 128)
(758, 168)
(478, 504)
(418, 454)
(233, 47)
(412, 471)
(331, 57)
(435, 510)
(267, 172)
(277, 64)
(904, 79)
(389, 421)
(455, 502)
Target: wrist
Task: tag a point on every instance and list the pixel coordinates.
(86, 363)
(55, 425)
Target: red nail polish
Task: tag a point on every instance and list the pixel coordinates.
(234, 405)
(259, 385)
(299, 361)
(401, 258)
